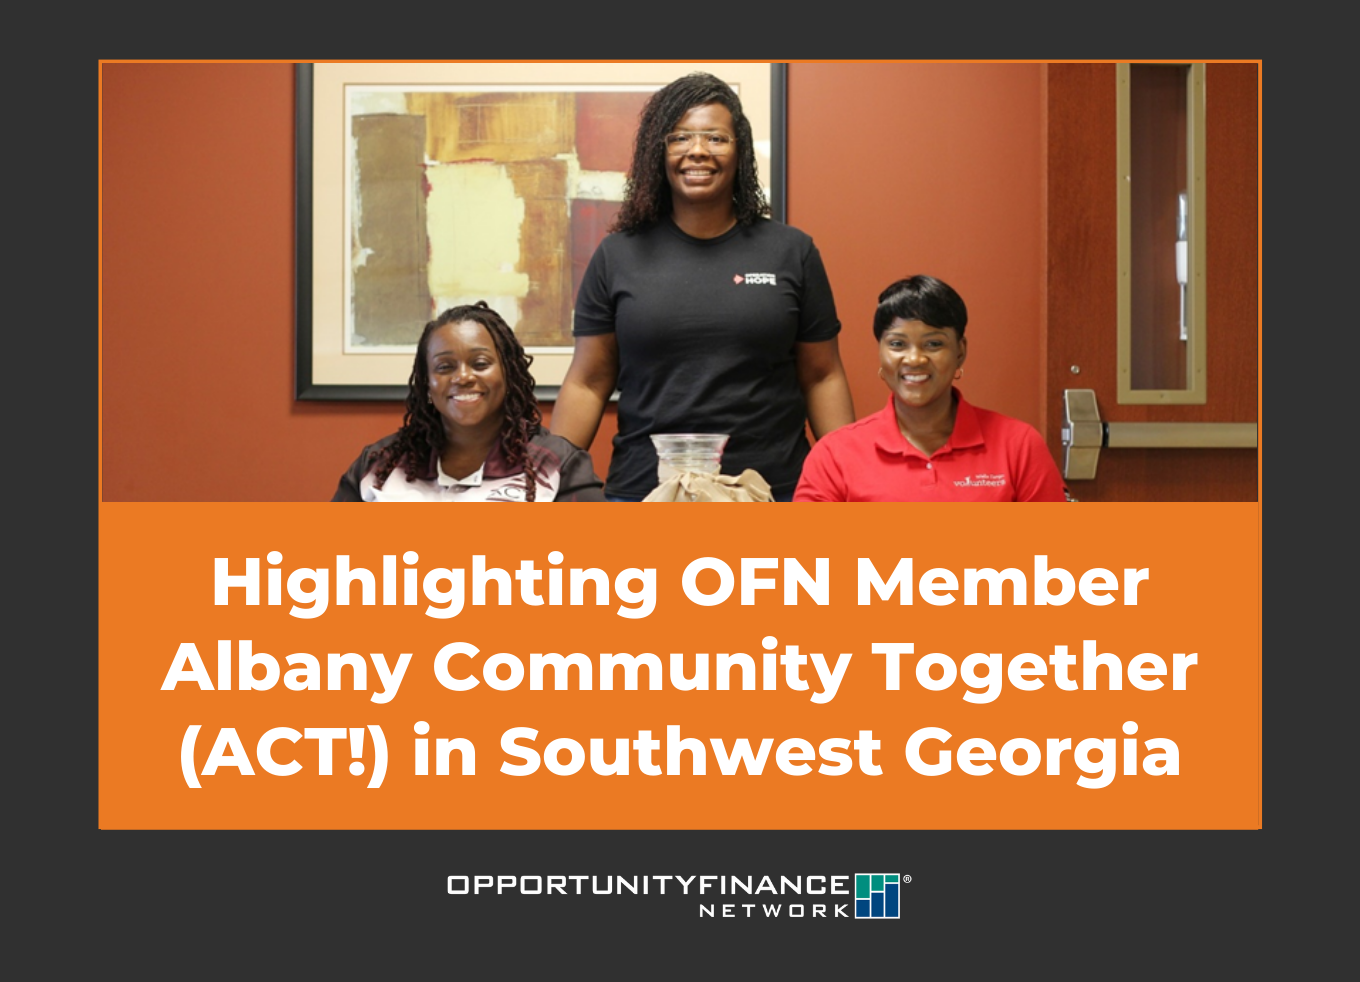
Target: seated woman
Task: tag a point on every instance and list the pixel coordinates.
(928, 443)
(472, 430)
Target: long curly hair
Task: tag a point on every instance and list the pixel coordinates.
(647, 193)
(420, 441)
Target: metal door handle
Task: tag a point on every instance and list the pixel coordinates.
(1084, 435)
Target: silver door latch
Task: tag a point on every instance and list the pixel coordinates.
(1084, 435)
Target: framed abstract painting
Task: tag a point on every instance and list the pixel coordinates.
(425, 185)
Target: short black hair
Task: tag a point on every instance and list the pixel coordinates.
(920, 298)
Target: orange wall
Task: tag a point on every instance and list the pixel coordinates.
(894, 169)
(897, 169)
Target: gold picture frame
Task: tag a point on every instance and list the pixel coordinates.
(421, 185)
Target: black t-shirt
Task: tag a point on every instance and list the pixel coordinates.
(706, 330)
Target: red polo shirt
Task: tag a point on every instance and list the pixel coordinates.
(988, 457)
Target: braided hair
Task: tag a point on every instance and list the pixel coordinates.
(647, 193)
(420, 441)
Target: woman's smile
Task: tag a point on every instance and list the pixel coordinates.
(697, 175)
(467, 380)
(919, 362)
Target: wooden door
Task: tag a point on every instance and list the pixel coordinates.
(1080, 295)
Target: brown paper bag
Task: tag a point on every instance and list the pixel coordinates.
(697, 486)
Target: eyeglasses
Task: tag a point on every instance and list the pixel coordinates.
(683, 141)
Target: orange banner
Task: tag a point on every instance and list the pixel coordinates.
(908, 666)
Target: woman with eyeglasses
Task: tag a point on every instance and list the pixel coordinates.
(704, 314)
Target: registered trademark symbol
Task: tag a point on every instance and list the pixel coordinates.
(906, 877)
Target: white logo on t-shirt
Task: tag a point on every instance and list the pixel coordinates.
(755, 279)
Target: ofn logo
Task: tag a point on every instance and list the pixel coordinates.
(876, 895)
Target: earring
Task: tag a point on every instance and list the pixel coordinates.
(880, 373)
(958, 374)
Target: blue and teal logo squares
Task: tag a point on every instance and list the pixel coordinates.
(876, 895)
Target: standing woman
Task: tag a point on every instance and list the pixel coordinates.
(704, 314)
(472, 430)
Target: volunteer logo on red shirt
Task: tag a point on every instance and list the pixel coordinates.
(982, 481)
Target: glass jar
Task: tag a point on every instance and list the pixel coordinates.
(676, 452)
